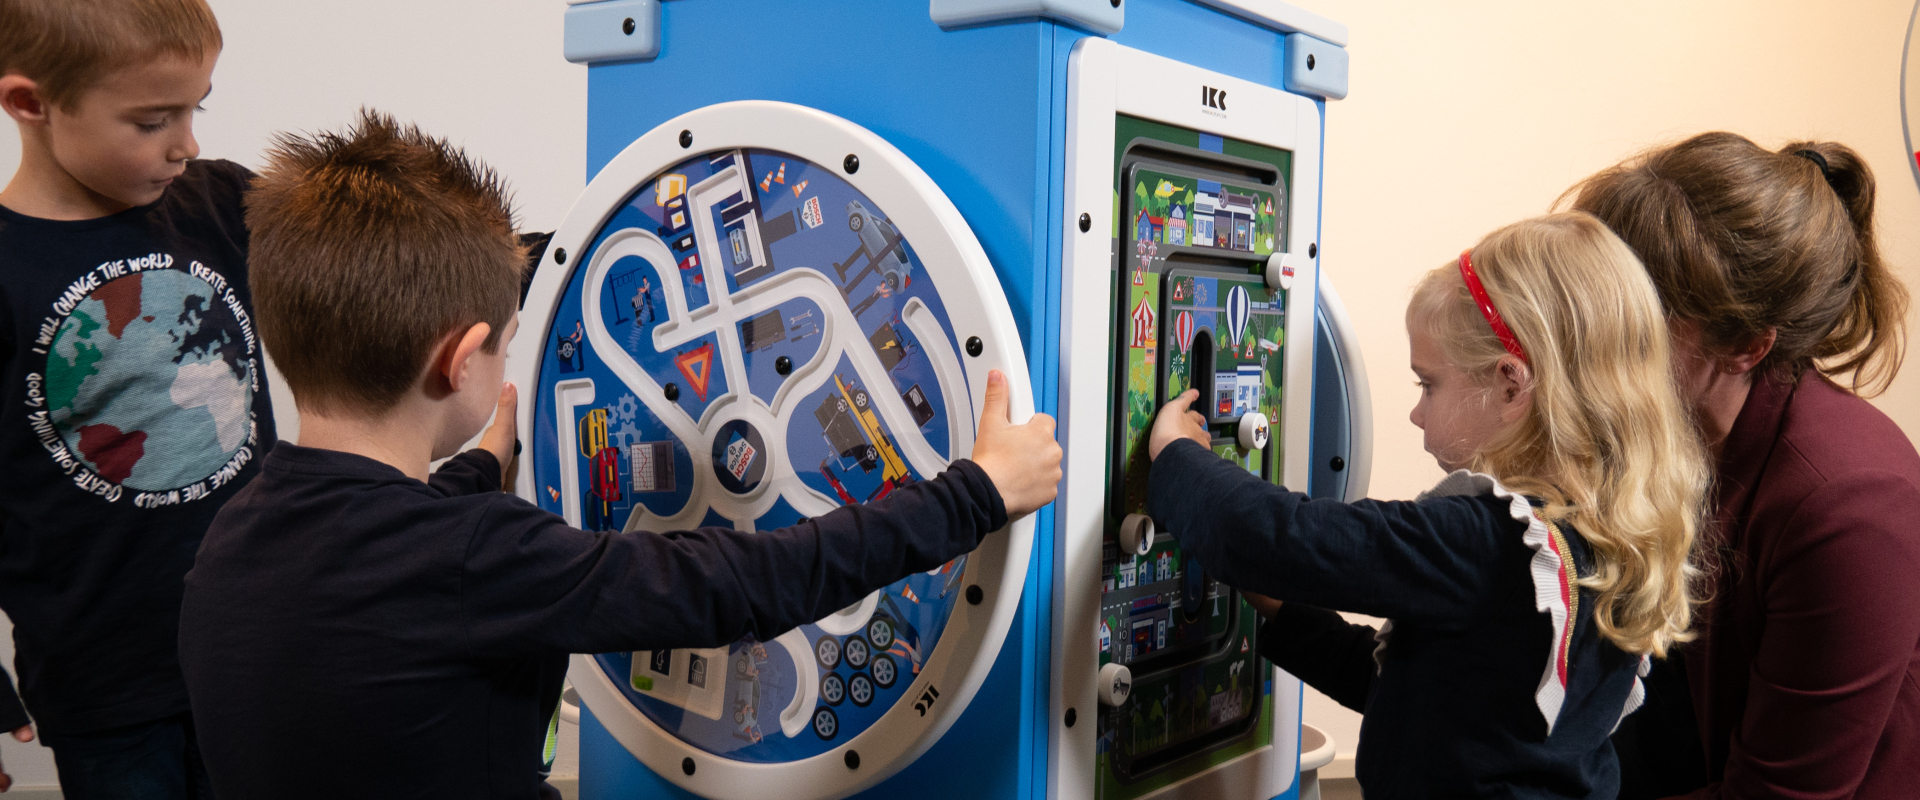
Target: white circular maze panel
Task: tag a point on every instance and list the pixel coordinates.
(756, 314)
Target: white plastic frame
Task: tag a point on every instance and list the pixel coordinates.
(1353, 368)
(976, 306)
(1105, 79)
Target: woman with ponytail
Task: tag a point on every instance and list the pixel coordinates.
(1805, 677)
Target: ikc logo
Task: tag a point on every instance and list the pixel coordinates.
(1213, 98)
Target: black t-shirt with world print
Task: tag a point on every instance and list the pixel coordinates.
(135, 404)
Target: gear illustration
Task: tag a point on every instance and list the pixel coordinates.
(623, 429)
(627, 410)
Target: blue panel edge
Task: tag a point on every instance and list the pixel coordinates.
(1102, 18)
(612, 30)
(1331, 409)
(1315, 67)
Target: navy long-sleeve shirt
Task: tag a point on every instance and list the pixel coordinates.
(346, 626)
(1453, 702)
(133, 404)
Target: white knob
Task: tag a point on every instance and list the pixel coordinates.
(1136, 534)
(1116, 682)
(1280, 269)
(1253, 430)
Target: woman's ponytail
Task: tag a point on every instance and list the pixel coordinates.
(1868, 339)
(1744, 241)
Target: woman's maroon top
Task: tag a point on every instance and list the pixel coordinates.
(1806, 677)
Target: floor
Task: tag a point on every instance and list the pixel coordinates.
(1331, 789)
(1339, 789)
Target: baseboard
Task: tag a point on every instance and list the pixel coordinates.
(1339, 767)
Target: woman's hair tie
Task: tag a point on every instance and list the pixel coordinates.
(1821, 162)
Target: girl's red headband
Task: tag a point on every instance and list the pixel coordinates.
(1480, 298)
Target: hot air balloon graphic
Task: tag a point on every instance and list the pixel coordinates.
(1183, 331)
(1239, 307)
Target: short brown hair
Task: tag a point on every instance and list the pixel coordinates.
(369, 247)
(67, 46)
(1741, 240)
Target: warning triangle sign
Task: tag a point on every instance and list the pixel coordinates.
(697, 365)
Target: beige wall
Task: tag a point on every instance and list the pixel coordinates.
(1466, 116)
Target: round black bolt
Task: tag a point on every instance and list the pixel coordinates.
(1309, 61)
(1072, 717)
(853, 760)
(671, 390)
(851, 164)
(560, 255)
(686, 764)
(1313, 250)
(783, 365)
(627, 28)
(686, 139)
(974, 595)
(1086, 222)
(974, 346)
(1337, 463)
(1116, 3)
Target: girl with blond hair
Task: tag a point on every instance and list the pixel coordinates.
(1526, 592)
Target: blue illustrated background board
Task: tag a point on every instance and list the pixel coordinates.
(765, 217)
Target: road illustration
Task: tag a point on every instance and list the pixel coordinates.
(751, 342)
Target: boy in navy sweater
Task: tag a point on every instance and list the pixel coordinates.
(354, 624)
(131, 379)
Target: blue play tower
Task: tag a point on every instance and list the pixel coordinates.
(810, 231)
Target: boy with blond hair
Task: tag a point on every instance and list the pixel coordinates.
(356, 621)
(133, 400)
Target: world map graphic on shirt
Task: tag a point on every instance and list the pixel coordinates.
(150, 380)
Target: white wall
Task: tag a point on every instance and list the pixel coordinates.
(1464, 116)
(486, 74)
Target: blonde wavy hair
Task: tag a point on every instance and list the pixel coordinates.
(1607, 444)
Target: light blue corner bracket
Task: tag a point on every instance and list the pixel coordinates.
(613, 30)
(1104, 17)
(1315, 67)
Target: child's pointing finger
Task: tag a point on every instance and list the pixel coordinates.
(1177, 421)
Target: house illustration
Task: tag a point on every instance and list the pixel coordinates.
(1146, 227)
(1234, 221)
(1200, 222)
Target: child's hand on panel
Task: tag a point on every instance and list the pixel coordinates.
(1264, 605)
(502, 437)
(1022, 460)
(1177, 420)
